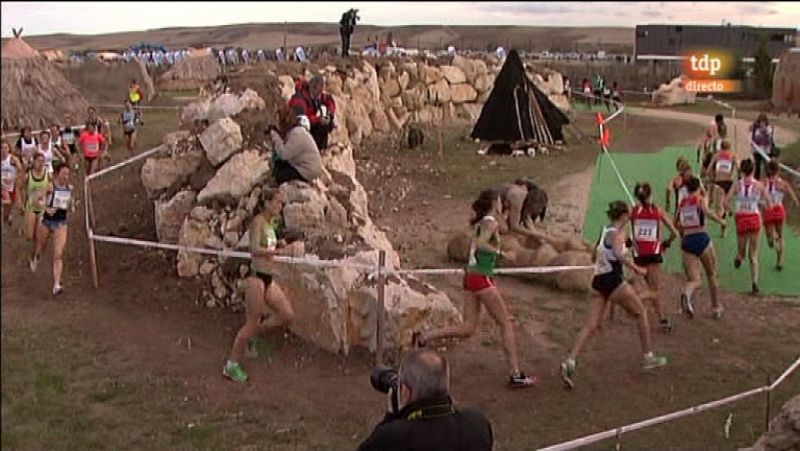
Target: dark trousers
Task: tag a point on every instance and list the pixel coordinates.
(345, 41)
(285, 172)
(759, 161)
(320, 134)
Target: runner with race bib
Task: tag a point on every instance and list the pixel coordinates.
(749, 194)
(777, 190)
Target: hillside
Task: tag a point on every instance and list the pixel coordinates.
(271, 35)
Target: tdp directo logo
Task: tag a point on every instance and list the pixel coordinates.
(709, 71)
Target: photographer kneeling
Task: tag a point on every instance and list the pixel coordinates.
(423, 416)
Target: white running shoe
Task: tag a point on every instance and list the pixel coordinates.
(34, 262)
(57, 289)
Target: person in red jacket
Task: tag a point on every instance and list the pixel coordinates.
(311, 101)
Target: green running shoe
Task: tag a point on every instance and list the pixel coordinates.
(568, 371)
(234, 372)
(652, 361)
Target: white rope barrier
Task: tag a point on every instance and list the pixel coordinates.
(611, 433)
(126, 162)
(145, 107)
(521, 270)
(766, 157)
(36, 132)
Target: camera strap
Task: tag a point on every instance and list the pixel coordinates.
(435, 411)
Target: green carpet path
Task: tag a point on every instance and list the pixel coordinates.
(658, 168)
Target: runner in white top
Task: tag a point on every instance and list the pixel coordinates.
(12, 169)
(749, 194)
(777, 190)
(27, 146)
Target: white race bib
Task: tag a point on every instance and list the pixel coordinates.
(725, 166)
(746, 205)
(777, 197)
(682, 193)
(645, 230)
(61, 199)
(689, 217)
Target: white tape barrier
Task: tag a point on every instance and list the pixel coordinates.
(145, 107)
(766, 157)
(611, 433)
(521, 270)
(610, 158)
(126, 162)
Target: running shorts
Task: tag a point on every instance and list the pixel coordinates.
(707, 160)
(475, 282)
(9, 197)
(725, 185)
(775, 215)
(647, 260)
(606, 284)
(696, 243)
(747, 223)
(265, 277)
(53, 224)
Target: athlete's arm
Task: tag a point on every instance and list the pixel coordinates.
(668, 222)
(619, 250)
(763, 195)
(709, 213)
(786, 186)
(23, 193)
(670, 187)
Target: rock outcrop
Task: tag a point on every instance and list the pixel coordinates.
(784, 430)
(673, 93)
(786, 83)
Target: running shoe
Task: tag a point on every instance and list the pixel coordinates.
(234, 372)
(652, 361)
(717, 313)
(779, 267)
(737, 263)
(520, 380)
(34, 262)
(568, 372)
(686, 306)
(57, 289)
(755, 291)
(666, 325)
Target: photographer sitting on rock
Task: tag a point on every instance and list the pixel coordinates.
(423, 415)
(311, 101)
(295, 155)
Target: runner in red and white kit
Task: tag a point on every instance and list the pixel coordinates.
(12, 169)
(92, 144)
(777, 188)
(721, 169)
(749, 193)
(646, 219)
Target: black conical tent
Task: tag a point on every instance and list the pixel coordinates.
(517, 111)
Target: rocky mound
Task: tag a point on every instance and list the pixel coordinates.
(784, 430)
(206, 188)
(673, 93)
(191, 73)
(786, 83)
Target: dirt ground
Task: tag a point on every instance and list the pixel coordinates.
(137, 364)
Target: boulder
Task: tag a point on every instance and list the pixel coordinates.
(249, 100)
(170, 215)
(286, 86)
(469, 111)
(221, 139)
(194, 234)
(391, 88)
(458, 247)
(674, 93)
(195, 111)
(483, 83)
(176, 141)
(786, 83)
(398, 118)
(371, 81)
(403, 79)
(467, 66)
(480, 67)
(438, 92)
(462, 93)
(380, 122)
(784, 430)
(163, 174)
(483, 97)
(453, 74)
(358, 122)
(414, 98)
(429, 114)
(430, 74)
(574, 280)
(334, 84)
(236, 178)
(560, 101)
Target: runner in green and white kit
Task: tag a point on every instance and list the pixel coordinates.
(33, 192)
(484, 253)
(263, 292)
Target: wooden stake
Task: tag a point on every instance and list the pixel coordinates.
(381, 307)
(440, 139)
(90, 226)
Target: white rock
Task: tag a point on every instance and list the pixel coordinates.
(193, 234)
(236, 178)
(462, 93)
(159, 174)
(453, 74)
(221, 139)
(169, 215)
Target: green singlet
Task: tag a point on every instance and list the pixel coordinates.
(36, 188)
(268, 238)
(482, 261)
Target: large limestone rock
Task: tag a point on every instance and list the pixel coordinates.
(193, 234)
(236, 178)
(414, 98)
(169, 215)
(392, 88)
(221, 140)
(467, 66)
(674, 93)
(786, 83)
(784, 430)
(430, 74)
(163, 174)
(438, 92)
(574, 280)
(286, 86)
(469, 111)
(453, 74)
(483, 83)
(402, 80)
(463, 93)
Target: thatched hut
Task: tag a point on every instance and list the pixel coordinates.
(193, 72)
(34, 91)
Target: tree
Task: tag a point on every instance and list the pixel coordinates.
(763, 68)
(738, 71)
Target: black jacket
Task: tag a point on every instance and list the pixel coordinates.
(431, 424)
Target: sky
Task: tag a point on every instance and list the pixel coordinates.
(71, 17)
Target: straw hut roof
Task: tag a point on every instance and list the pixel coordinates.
(34, 91)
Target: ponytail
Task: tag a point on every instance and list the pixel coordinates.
(642, 191)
